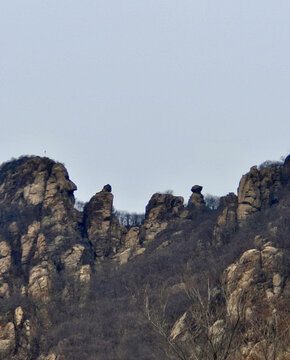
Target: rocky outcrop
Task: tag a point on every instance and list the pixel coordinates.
(102, 227)
(227, 221)
(40, 281)
(50, 253)
(28, 240)
(7, 340)
(72, 257)
(161, 209)
(286, 170)
(18, 316)
(39, 225)
(258, 189)
(196, 202)
(256, 289)
(39, 191)
(181, 327)
(256, 269)
(5, 258)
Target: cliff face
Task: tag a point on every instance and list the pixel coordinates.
(52, 255)
(260, 189)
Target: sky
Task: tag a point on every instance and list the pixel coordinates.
(146, 95)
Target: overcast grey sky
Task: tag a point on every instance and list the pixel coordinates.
(146, 95)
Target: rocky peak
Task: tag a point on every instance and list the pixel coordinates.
(107, 188)
(230, 200)
(160, 210)
(165, 203)
(258, 189)
(36, 207)
(102, 227)
(32, 180)
(196, 201)
(286, 170)
(98, 216)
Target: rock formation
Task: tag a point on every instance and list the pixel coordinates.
(227, 221)
(160, 210)
(257, 190)
(55, 261)
(196, 201)
(98, 217)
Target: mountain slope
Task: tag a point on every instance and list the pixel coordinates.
(188, 283)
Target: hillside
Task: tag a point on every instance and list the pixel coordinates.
(188, 283)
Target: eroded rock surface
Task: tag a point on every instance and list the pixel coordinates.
(161, 209)
(258, 189)
(7, 340)
(256, 269)
(196, 201)
(103, 229)
(5, 258)
(227, 222)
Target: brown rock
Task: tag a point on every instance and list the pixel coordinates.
(286, 170)
(132, 237)
(196, 189)
(226, 222)
(18, 315)
(256, 274)
(258, 189)
(85, 274)
(196, 201)
(161, 209)
(34, 193)
(39, 282)
(40, 246)
(5, 258)
(107, 188)
(4, 290)
(7, 340)
(98, 218)
(71, 258)
(27, 240)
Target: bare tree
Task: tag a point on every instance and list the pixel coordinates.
(269, 328)
(157, 319)
(210, 332)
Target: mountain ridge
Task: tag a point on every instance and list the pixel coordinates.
(58, 265)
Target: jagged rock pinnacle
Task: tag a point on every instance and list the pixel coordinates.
(107, 188)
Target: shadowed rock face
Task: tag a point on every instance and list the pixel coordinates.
(227, 221)
(286, 170)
